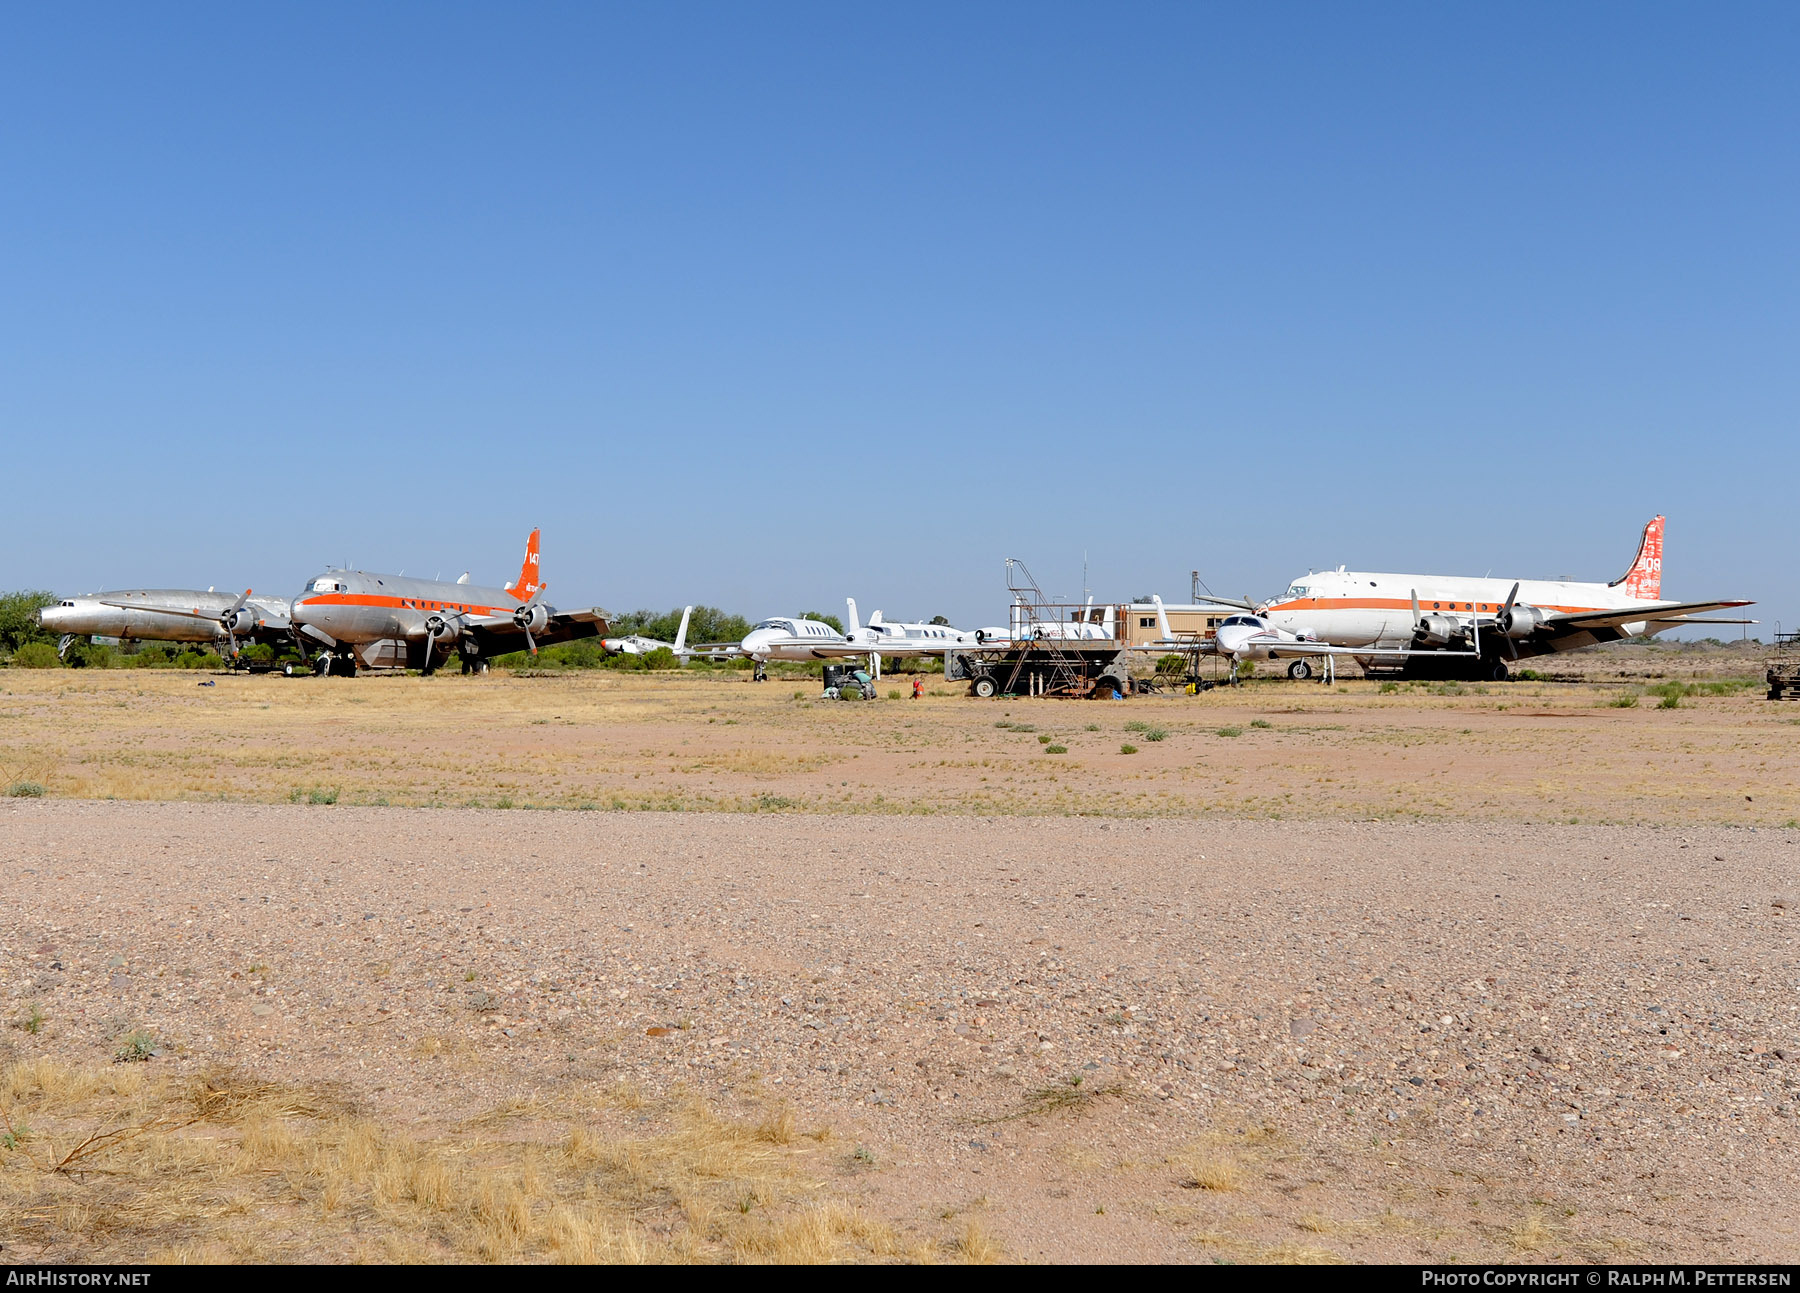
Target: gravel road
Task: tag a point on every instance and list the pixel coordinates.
(1438, 1041)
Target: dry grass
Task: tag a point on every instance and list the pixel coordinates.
(106, 1165)
(1070, 1095)
(1208, 1168)
(655, 742)
(976, 1245)
(1531, 1234)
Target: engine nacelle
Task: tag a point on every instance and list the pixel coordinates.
(239, 621)
(441, 627)
(1439, 630)
(533, 619)
(1522, 621)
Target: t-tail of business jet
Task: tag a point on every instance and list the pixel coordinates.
(1460, 627)
(359, 618)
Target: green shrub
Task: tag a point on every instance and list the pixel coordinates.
(149, 657)
(1231, 731)
(322, 797)
(1261, 722)
(1128, 749)
(1155, 734)
(36, 655)
(1671, 700)
(25, 790)
(137, 1046)
(1388, 688)
(192, 659)
(1529, 675)
(1043, 740)
(1624, 700)
(1172, 664)
(1092, 727)
(18, 618)
(893, 695)
(1246, 669)
(1056, 749)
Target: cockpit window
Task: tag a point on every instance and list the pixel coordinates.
(1299, 590)
(774, 624)
(1250, 620)
(324, 586)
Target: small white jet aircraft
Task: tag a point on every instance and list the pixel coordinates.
(1456, 626)
(793, 638)
(637, 644)
(881, 637)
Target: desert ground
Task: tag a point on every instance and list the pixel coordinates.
(682, 967)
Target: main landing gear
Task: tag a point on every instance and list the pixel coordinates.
(339, 664)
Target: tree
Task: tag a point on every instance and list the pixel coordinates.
(837, 625)
(940, 619)
(18, 618)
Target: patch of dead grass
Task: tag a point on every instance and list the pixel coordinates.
(232, 1168)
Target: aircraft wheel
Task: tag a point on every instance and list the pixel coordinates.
(985, 688)
(1300, 671)
(322, 664)
(1498, 672)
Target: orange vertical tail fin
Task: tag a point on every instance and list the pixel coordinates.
(528, 584)
(1644, 580)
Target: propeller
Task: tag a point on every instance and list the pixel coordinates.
(1504, 619)
(532, 615)
(1417, 618)
(436, 626)
(231, 623)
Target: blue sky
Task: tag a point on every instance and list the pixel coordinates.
(763, 305)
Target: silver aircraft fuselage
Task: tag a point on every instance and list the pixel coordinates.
(356, 608)
(191, 615)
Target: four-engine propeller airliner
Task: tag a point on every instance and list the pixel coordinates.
(1450, 626)
(349, 612)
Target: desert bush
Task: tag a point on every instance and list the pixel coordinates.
(192, 659)
(1128, 749)
(91, 655)
(18, 618)
(1056, 749)
(36, 655)
(1231, 731)
(25, 790)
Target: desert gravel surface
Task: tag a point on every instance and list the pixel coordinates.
(1294, 1040)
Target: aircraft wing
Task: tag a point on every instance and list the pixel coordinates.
(1653, 612)
(1273, 648)
(713, 650)
(501, 634)
(269, 621)
(192, 613)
